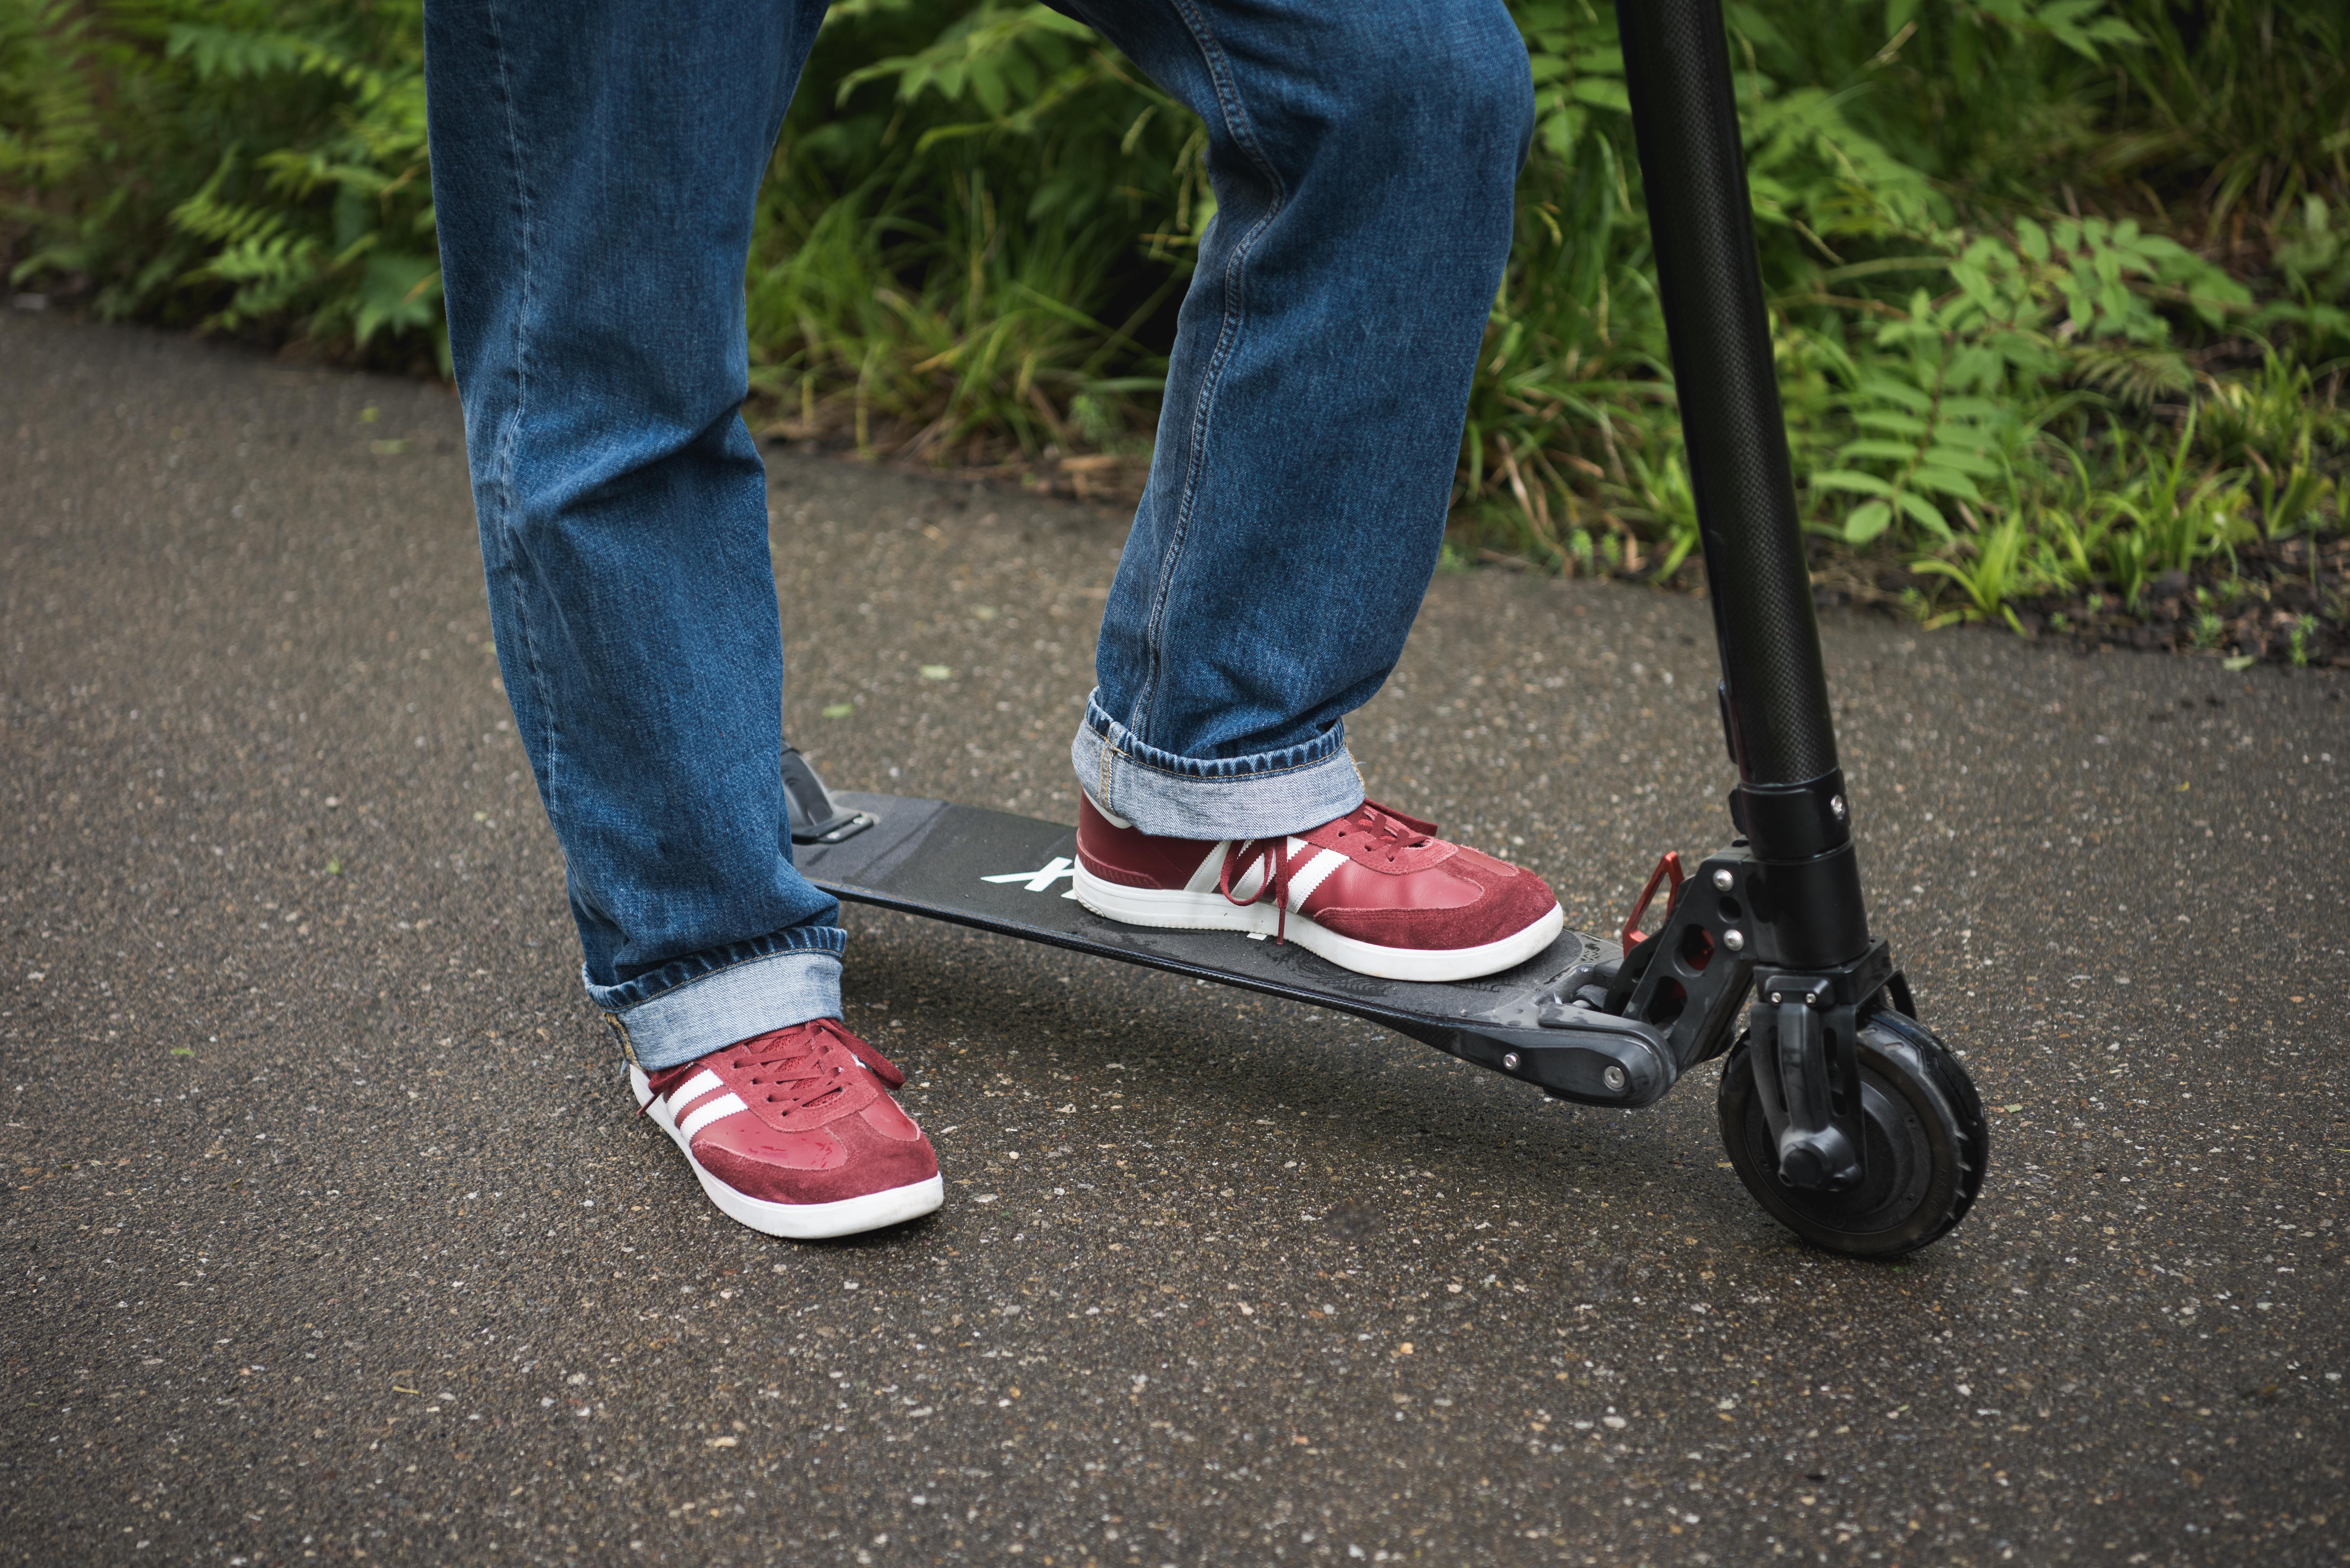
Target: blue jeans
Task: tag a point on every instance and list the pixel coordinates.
(594, 168)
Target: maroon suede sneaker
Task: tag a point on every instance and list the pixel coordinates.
(1375, 891)
(792, 1133)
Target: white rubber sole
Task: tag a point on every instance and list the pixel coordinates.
(798, 1221)
(1180, 911)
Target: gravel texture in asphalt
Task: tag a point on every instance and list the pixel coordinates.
(329, 1234)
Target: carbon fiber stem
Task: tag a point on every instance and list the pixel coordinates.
(1790, 803)
(1686, 119)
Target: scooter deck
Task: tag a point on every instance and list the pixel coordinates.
(1013, 875)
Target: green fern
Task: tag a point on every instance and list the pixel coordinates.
(310, 210)
(1933, 425)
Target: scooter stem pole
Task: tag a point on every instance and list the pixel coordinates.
(1790, 802)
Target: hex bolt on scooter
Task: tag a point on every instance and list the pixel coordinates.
(1844, 1115)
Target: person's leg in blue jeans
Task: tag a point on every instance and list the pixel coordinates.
(1364, 160)
(594, 171)
(594, 168)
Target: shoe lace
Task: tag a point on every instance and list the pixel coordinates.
(1243, 858)
(1390, 832)
(800, 1067)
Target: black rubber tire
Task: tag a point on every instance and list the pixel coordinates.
(1928, 1146)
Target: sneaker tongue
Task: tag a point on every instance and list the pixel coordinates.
(810, 1073)
(1394, 823)
(815, 1045)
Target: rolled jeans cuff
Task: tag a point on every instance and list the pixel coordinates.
(695, 1005)
(1262, 795)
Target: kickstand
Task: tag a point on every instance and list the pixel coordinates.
(816, 819)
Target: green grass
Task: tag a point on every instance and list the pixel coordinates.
(2061, 288)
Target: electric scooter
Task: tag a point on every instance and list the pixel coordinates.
(1843, 1113)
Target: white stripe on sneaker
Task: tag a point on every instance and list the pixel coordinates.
(726, 1104)
(1211, 870)
(1252, 882)
(1317, 872)
(692, 1089)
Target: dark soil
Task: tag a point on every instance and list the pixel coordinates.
(2282, 601)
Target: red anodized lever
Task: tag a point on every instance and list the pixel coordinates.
(1670, 865)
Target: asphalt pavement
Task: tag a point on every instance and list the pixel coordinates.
(329, 1235)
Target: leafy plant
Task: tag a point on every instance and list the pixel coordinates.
(232, 165)
(2244, 103)
(1996, 570)
(2298, 638)
(2171, 516)
(1664, 498)
(964, 267)
(2016, 251)
(1929, 432)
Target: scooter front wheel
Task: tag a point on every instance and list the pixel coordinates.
(1927, 1146)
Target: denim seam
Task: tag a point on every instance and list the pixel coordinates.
(511, 437)
(790, 949)
(1273, 772)
(1322, 748)
(1234, 312)
(1294, 789)
(683, 1026)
